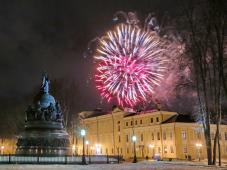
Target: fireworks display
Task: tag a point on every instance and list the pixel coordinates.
(130, 64)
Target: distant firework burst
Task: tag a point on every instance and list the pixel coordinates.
(130, 63)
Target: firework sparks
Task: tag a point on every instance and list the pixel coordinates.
(130, 63)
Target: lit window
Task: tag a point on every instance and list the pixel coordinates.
(198, 135)
(212, 136)
(171, 135)
(183, 135)
(171, 149)
(165, 149)
(219, 136)
(157, 119)
(158, 136)
(151, 120)
(225, 135)
(164, 135)
(152, 136)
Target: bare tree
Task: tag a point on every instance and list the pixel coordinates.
(204, 37)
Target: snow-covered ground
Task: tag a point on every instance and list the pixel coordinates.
(145, 165)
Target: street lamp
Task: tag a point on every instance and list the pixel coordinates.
(152, 147)
(134, 146)
(83, 133)
(87, 143)
(198, 145)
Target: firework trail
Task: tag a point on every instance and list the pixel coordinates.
(130, 63)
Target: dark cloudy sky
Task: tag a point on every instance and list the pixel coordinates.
(52, 35)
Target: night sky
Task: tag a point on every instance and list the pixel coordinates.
(52, 36)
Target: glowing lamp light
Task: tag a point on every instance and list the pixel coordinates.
(87, 142)
(134, 138)
(198, 145)
(151, 146)
(83, 132)
(73, 147)
(98, 148)
(2, 147)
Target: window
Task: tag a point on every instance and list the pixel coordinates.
(136, 122)
(119, 128)
(159, 150)
(225, 135)
(152, 120)
(212, 136)
(171, 149)
(141, 137)
(157, 119)
(158, 136)
(164, 135)
(121, 150)
(165, 149)
(198, 135)
(127, 150)
(141, 121)
(171, 135)
(118, 122)
(112, 150)
(131, 123)
(185, 150)
(126, 124)
(126, 138)
(152, 136)
(219, 136)
(119, 139)
(183, 134)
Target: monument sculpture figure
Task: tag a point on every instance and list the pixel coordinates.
(44, 132)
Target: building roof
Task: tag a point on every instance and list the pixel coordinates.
(94, 113)
(179, 118)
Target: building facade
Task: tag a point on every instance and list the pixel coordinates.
(159, 134)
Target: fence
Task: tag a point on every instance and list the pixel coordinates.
(34, 159)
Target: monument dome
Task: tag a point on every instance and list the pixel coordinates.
(46, 100)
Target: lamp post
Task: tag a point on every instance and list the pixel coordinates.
(87, 143)
(198, 146)
(83, 133)
(134, 146)
(152, 147)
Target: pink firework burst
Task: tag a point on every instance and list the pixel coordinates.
(130, 63)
